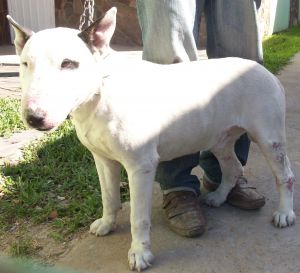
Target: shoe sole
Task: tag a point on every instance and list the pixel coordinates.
(188, 233)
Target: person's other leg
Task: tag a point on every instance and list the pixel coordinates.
(232, 31)
(168, 29)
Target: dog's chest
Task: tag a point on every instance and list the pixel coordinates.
(95, 139)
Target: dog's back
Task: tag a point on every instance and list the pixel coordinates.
(190, 99)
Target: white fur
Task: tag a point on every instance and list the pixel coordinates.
(137, 113)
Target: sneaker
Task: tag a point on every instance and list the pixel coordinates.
(241, 196)
(183, 213)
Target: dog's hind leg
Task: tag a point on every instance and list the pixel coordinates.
(275, 153)
(109, 176)
(231, 168)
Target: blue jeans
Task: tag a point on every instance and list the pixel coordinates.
(170, 33)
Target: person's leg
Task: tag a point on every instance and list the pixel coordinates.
(232, 31)
(168, 31)
(176, 174)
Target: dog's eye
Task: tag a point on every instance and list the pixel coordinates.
(69, 64)
(25, 64)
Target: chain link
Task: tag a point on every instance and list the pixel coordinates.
(88, 13)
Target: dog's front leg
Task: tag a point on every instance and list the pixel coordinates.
(109, 175)
(141, 186)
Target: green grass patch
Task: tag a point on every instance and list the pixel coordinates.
(57, 182)
(279, 48)
(10, 117)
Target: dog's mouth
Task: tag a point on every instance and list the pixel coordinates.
(45, 129)
(40, 126)
(39, 120)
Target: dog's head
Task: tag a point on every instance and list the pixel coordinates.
(59, 69)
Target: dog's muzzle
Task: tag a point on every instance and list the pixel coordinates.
(37, 119)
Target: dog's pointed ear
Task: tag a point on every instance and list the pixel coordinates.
(98, 35)
(22, 34)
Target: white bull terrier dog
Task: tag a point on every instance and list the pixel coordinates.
(137, 113)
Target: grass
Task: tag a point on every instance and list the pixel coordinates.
(57, 180)
(279, 48)
(23, 248)
(10, 120)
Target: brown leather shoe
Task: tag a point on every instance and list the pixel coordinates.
(183, 213)
(241, 196)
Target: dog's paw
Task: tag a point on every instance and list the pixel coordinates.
(139, 258)
(100, 227)
(284, 219)
(214, 199)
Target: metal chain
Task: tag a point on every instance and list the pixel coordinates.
(88, 9)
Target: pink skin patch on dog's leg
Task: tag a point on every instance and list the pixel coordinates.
(276, 155)
(276, 146)
(290, 184)
(280, 158)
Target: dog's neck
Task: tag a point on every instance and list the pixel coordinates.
(80, 111)
(108, 64)
(84, 109)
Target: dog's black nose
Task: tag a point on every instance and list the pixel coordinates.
(36, 118)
